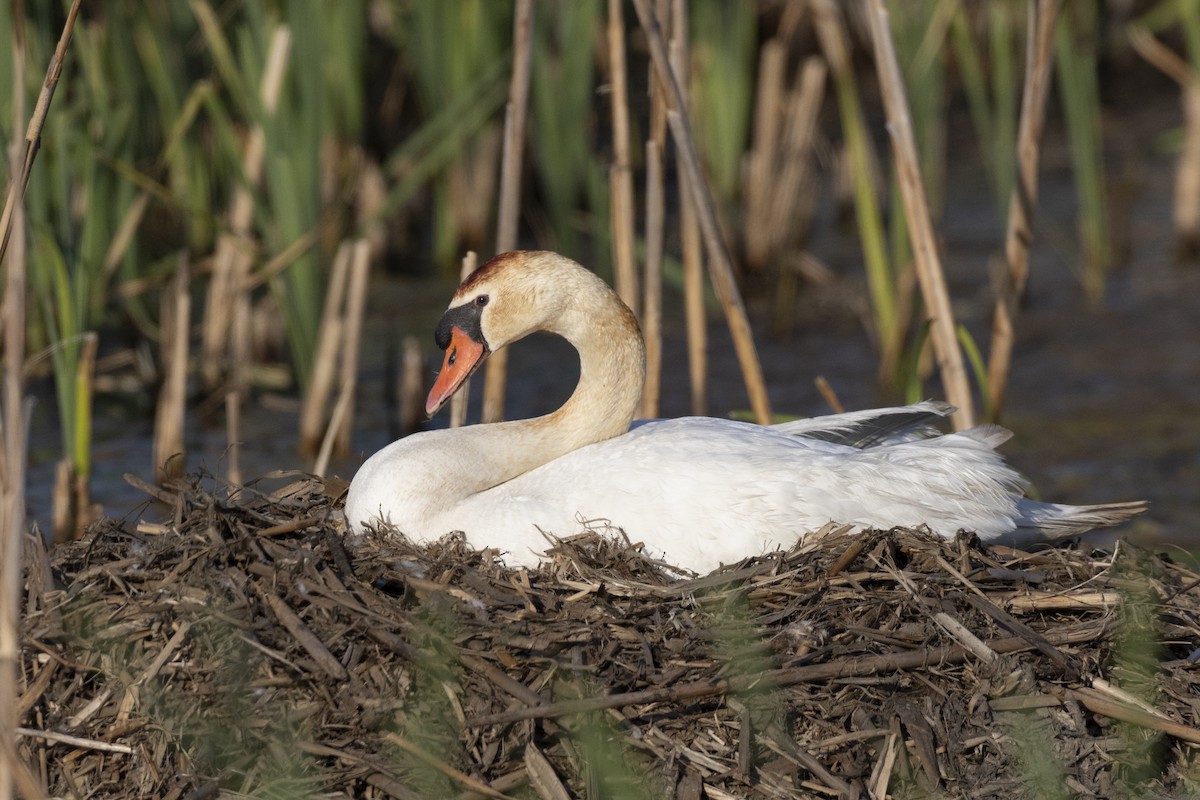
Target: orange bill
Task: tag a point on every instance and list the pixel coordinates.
(463, 357)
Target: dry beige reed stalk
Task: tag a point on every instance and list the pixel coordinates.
(655, 238)
(829, 394)
(169, 414)
(341, 410)
(337, 354)
(356, 305)
(1186, 212)
(790, 207)
(124, 234)
(25, 151)
(412, 385)
(691, 245)
(652, 279)
(62, 502)
(916, 212)
(1039, 61)
(233, 437)
(720, 262)
(13, 773)
(763, 155)
(313, 420)
(516, 112)
(620, 174)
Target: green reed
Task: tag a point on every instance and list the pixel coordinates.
(563, 123)
(73, 209)
(446, 47)
(989, 70)
(920, 30)
(1076, 53)
(724, 57)
(880, 274)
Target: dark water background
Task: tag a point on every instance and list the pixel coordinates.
(1104, 400)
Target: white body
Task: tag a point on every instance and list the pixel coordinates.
(697, 491)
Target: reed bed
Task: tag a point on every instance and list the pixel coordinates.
(235, 171)
(220, 185)
(243, 645)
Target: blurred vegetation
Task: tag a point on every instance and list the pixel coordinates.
(146, 147)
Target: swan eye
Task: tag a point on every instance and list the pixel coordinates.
(481, 301)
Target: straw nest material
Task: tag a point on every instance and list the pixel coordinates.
(245, 647)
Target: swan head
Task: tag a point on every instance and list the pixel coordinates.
(506, 299)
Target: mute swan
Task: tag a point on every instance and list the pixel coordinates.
(697, 491)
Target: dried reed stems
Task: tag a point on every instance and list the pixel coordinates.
(515, 114)
(12, 492)
(228, 288)
(356, 304)
(169, 453)
(780, 153)
(777, 201)
(655, 234)
(411, 390)
(313, 421)
(1186, 213)
(1039, 61)
(233, 437)
(772, 61)
(620, 174)
(12, 465)
(916, 211)
(690, 242)
(720, 262)
(787, 211)
(346, 319)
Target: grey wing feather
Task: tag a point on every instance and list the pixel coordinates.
(863, 429)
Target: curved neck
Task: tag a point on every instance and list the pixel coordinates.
(612, 372)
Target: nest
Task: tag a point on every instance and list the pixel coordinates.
(245, 647)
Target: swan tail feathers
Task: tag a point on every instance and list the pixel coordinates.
(1054, 522)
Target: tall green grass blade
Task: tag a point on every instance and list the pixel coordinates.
(914, 387)
(1075, 58)
(1003, 40)
(562, 113)
(880, 280)
(435, 145)
(723, 55)
(991, 90)
(448, 45)
(978, 366)
(219, 49)
(920, 29)
(61, 319)
(1189, 18)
